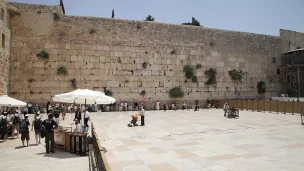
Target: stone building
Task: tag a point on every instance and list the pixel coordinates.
(131, 57)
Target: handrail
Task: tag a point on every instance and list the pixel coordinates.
(100, 157)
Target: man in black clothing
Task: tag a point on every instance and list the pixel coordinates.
(77, 114)
(49, 125)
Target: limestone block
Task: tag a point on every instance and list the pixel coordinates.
(113, 84)
(146, 72)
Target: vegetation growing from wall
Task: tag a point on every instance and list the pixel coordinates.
(261, 86)
(143, 93)
(198, 66)
(92, 31)
(144, 65)
(43, 54)
(193, 23)
(176, 92)
(173, 52)
(236, 75)
(211, 74)
(56, 16)
(73, 83)
(189, 71)
(194, 79)
(31, 80)
(62, 71)
(108, 93)
(149, 18)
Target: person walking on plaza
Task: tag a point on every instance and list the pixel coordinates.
(165, 106)
(36, 109)
(157, 105)
(25, 111)
(48, 107)
(77, 114)
(49, 126)
(63, 111)
(56, 114)
(225, 107)
(184, 106)
(86, 118)
(142, 117)
(24, 130)
(16, 120)
(29, 106)
(36, 124)
(4, 125)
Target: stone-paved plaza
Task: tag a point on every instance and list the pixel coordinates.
(203, 140)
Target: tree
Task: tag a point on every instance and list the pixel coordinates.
(149, 18)
(193, 23)
(113, 13)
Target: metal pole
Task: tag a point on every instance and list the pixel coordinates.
(299, 88)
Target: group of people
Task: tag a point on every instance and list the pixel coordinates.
(12, 121)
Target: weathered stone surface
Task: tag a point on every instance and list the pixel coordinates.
(118, 49)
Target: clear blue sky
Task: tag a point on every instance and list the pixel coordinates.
(256, 16)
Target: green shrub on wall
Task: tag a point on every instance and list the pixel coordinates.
(261, 86)
(144, 65)
(198, 66)
(176, 92)
(211, 74)
(236, 75)
(92, 31)
(73, 82)
(108, 93)
(43, 54)
(189, 71)
(194, 79)
(62, 71)
(143, 93)
(56, 16)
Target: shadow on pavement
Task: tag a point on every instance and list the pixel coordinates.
(59, 155)
(19, 147)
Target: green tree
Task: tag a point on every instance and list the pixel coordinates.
(113, 13)
(149, 18)
(193, 23)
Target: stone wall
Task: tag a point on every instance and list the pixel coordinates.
(103, 53)
(4, 48)
(296, 39)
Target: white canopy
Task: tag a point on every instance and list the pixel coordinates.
(103, 99)
(84, 96)
(8, 101)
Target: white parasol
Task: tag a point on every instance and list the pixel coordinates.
(8, 101)
(80, 96)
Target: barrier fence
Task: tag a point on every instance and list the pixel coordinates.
(100, 162)
(293, 107)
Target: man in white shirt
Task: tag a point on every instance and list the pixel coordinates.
(226, 107)
(142, 117)
(121, 106)
(126, 106)
(78, 126)
(86, 118)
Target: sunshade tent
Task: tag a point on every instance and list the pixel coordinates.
(103, 99)
(80, 96)
(9, 101)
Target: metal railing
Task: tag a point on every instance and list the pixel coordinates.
(99, 162)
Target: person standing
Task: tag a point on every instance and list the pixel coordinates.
(157, 105)
(36, 109)
(86, 118)
(184, 105)
(77, 114)
(48, 107)
(49, 126)
(36, 124)
(25, 111)
(4, 125)
(29, 105)
(165, 106)
(225, 107)
(142, 117)
(63, 111)
(78, 126)
(24, 130)
(126, 106)
(56, 114)
(16, 120)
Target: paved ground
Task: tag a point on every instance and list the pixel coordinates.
(16, 158)
(203, 140)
